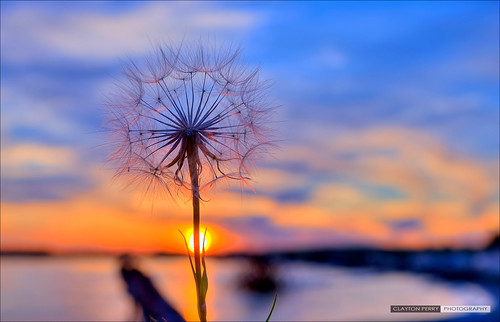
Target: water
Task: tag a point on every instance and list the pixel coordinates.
(87, 289)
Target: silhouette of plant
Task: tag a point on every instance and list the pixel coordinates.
(188, 117)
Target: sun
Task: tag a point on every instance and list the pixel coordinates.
(202, 237)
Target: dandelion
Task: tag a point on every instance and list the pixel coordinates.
(187, 118)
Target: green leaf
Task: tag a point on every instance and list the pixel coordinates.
(204, 277)
(189, 255)
(272, 309)
(204, 284)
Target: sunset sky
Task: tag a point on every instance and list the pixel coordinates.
(388, 125)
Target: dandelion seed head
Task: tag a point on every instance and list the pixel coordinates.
(186, 98)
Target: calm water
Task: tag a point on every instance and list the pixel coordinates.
(65, 289)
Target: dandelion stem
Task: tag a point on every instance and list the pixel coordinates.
(192, 156)
(192, 108)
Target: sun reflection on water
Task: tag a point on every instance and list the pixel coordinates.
(86, 288)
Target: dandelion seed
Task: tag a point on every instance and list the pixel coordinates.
(189, 118)
(190, 100)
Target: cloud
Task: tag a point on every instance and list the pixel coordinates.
(34, 172)
(82, 32)
(413, 162)
(339, 198)
(331, 58)
(418, 164)
(46, 189)
(224, 19)
(270, 180)
(263, 234)
(37, 161)
(27, 117)
(336, 214)
(368, 181)
(355, 167)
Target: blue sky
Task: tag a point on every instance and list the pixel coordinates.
(370, 93)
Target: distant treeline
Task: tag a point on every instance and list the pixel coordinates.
(450, 263)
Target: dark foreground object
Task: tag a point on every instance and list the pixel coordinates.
(146, 296)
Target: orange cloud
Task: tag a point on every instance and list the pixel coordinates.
(450, 195)
(84, 224)
(35, 160)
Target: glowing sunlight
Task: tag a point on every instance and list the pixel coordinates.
(206, 238)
